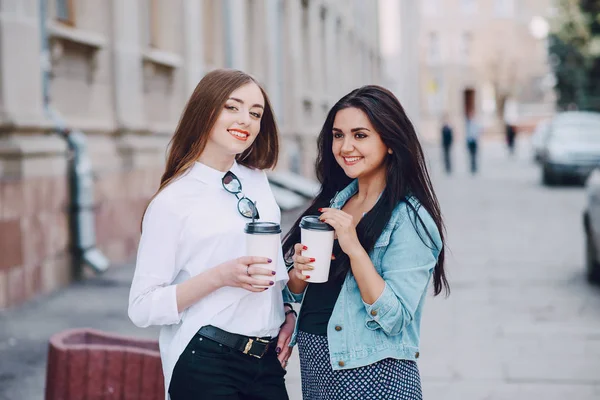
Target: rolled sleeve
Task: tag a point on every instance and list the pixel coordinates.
(153, 296)
(407, 267)
(379, 310)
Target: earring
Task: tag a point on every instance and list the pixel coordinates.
(390, 151)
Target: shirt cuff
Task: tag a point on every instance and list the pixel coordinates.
(167, 299)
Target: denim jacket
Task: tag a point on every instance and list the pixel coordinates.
(361, 334)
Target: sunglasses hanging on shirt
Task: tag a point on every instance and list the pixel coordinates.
(246, 207)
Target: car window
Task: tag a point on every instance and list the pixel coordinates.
(584, 131)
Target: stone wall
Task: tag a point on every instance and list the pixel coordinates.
(121, 200)
(121, 72)
(35, 243)
(34, 234)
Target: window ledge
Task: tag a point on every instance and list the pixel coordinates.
(162, 58)
(92, 40)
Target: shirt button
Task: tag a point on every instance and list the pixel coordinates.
(338, 328)
(374, 312)
(341, 363)
(417, 354)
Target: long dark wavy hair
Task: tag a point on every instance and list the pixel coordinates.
(407, 176)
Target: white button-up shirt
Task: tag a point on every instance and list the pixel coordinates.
(190, 226)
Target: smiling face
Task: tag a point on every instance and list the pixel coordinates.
(238, 124)
(356, 146)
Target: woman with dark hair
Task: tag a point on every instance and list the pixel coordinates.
(358, 333)
(224, 335)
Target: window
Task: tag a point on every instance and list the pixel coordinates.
(465, 46)
(432, 7)
(293, 148)
(150, 21)
(504, 8)
(434, 48)
(434, 96)
(65, 11)
(468, 6)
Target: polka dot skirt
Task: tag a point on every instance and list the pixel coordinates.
(388, 379)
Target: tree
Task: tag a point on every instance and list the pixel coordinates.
(503, 65)
(575, 54)
(502, 70)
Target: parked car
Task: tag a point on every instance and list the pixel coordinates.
(538, 137)
(571, 149)
(591, 225)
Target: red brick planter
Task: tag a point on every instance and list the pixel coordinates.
(86, 364)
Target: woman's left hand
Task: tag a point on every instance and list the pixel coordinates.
(344, 226)
(284, 351)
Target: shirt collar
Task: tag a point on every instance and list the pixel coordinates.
(212, 176)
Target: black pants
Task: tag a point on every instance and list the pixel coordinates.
(207, 370)
(472, 146)
(447, 160)
(510, 141)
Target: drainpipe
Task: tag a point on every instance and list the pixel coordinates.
(81, 181)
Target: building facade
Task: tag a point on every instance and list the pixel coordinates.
(398, 20)
(120, 71)
(485, 56)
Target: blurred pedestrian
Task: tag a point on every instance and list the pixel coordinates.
(222, 335)
(358, 333)
(473, 131)
(447, 137)
(511, 134)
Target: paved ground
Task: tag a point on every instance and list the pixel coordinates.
(521, 322)
(99, 303)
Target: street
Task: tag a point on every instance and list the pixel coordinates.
(520, 323)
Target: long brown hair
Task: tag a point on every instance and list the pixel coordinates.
(199, 117)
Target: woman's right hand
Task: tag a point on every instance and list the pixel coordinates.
(301, 263)
(237, 273)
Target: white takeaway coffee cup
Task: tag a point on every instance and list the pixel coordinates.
(317, 236)
(263, 239)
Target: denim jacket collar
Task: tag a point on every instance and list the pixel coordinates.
(342, 196)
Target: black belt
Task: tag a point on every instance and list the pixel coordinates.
(253, 346)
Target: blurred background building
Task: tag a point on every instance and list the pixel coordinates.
(489, 56)
(99, 85)
(398, 22)
(120, 72)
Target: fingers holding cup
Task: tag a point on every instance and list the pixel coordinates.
(303, 271)
(302, 265)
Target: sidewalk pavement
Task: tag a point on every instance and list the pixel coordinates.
(99, 303)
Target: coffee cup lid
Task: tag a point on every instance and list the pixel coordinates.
(312, 222)
(262, 228)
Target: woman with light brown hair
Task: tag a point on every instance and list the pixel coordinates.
(222, 337)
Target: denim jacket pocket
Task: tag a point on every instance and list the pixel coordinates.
(380, 247)
(384, 239)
